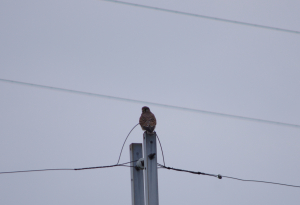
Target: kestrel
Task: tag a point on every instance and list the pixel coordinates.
(147, 120)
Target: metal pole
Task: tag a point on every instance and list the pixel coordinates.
(150, 163)
(137, 181)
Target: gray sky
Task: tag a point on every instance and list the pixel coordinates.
(136, 53)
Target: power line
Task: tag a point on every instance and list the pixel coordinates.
(162, 152)
(205, 17)
(125, 141)
(69, 169)
(221, 176)
(246, 180)
(188, 171)
(160, 166)
(152, 103)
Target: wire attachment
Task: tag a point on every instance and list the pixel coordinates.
(151, 156)
(140, 164)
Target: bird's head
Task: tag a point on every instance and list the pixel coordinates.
(145, 109)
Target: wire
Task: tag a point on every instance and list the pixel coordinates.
(162, 152)
(221, 176)
(192, 172)
(205, 17)
(127, 166)
(37, 170)
(70, 169)
(125, 141)
(247, 180)
(151, 103)
(100, 167)
(160, 167)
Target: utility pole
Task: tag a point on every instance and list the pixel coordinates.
(136, 173)
(150, 163)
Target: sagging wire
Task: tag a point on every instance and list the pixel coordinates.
(221, 176)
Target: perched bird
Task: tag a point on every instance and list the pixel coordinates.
(147, 120)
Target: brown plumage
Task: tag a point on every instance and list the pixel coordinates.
(147, 120)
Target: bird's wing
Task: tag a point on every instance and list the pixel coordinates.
(143, 120)
(152, 120)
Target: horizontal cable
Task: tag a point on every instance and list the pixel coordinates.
(191, 172)
(70, 169)
(152, 103)
(221, 176)
(247, 180)
(205, 17)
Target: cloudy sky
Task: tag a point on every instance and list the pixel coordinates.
(130, 52)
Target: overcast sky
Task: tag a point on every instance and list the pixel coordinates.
(148, 55)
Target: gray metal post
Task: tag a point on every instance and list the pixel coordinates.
(150, 163)
(137, 181)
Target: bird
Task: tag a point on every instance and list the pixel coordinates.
(147, 120)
